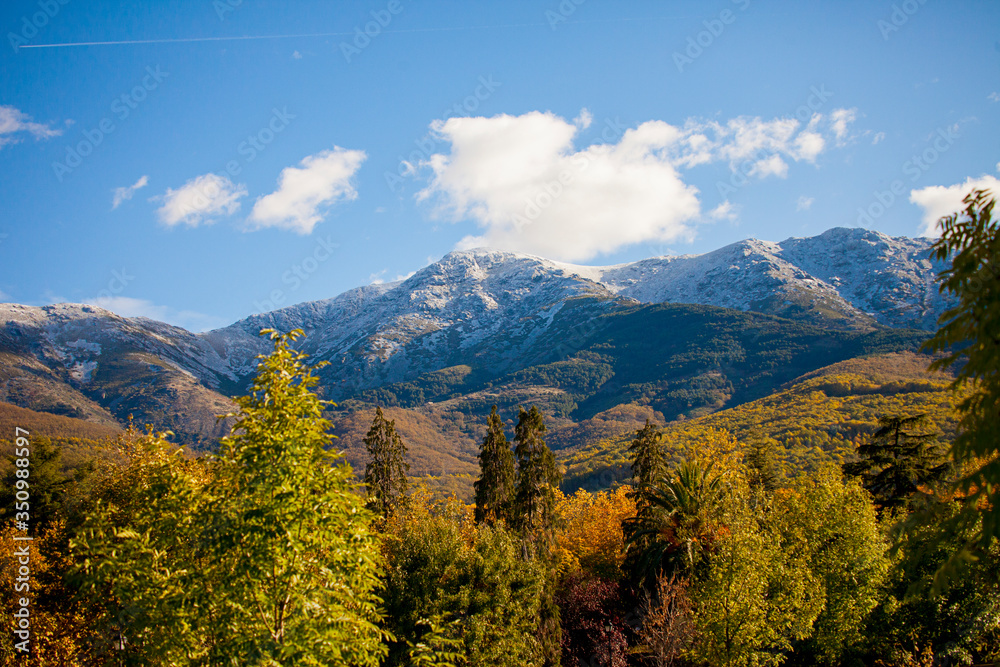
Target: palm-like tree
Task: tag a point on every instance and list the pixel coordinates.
(678, 523)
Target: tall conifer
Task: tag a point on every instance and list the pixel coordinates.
(495, 486)
(385, 473)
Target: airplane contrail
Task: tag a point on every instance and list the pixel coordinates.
(320, 34)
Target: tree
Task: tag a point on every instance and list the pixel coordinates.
(536, 496)
(495, 486)
(261, 556)
(682, 522)
(537, 481)
(649, 459)
(454, 587)
(668, 623)
(970, 337)
(762, 465)
(385, 473)
(896, 461)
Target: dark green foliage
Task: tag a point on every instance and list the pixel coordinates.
(385, 473)
(679, 525)
(495, 486)
(970, 335)
(896, 461)
(649, 460)
(468, 583)
(957, 625)
(537, 482)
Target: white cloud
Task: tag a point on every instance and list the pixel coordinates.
(322, 179)
(199, 200)
(296, 55)
(130, 307)
(124, 194)
(519, 177)
(523, 181)
(584, 120)
(878, 138)
(993, 97)
(14, 122)
(724, 211)
(939, 200)
(840, 119)
(771, 166)
(804, 203)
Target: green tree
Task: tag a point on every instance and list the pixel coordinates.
(495, 486)
(262, 556)
(682, 521)
(896, 461)
(385, 472)
(970, 337)
(537, 482)
(535, 502)
(459, 590)
(649, 460)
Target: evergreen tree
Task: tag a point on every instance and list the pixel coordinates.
(649, 460)
(535, 512)
(385, 473)
(537, 481)
(495, 486)
(896, 461)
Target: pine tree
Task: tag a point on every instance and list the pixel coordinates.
(896, 461)
(495, 486)
(649, 461)
(537, 481)
(385, 473)
(534, 511)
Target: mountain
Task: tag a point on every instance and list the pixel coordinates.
(483, 326)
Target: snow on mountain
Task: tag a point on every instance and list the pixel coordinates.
(496, 307)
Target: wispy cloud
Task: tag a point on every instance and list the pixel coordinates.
(15, 123)
(200, 200)
(319, 181)
(993, 97)
(131, 307)
(804, 203)
(125, 193)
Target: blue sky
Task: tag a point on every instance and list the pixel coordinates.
(274, 153)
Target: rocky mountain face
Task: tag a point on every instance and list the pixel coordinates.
(491, 312)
